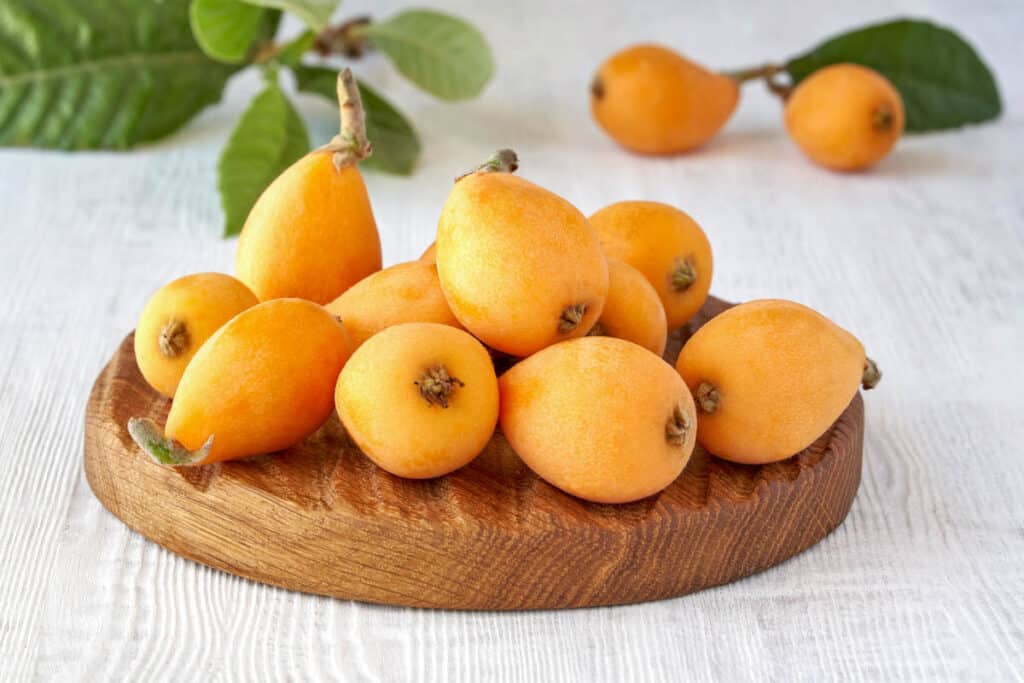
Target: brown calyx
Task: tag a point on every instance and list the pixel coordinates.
(348, 39)
(682, 275)
(872, 375)
(677, 427)
(883, 118)
(174, 339)
(597, 87)
(437, 386)
(571, 317)
(598, 330)
(707, 397)
(502, 161)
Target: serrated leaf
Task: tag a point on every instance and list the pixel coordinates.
(269, 137)
(98, 74)
(396, 147)
(316, 13)
(440, 53)
(943, 82)
(226, 29)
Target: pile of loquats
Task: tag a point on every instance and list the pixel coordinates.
(575, 311)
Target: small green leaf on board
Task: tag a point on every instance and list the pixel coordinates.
(269, 137)
(396, 147)
(943, 81)
(441, 54)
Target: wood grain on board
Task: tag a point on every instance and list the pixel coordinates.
(321, 518)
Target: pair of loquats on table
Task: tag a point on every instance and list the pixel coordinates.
(578, 311)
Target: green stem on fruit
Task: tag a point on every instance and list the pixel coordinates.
(872, 374)
(160, 449)
(350, 144)
(502, 161)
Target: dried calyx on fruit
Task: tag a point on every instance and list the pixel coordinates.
(437, 386)
(178, 320)
(440, 392)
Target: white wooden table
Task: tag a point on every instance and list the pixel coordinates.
(923, 258)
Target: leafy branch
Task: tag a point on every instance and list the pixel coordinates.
(942, 79)
(106, 78)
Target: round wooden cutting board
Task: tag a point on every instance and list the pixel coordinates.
(321, 518)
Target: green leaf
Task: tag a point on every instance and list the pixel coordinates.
(226, 29)
(100, 74)
(291, 53)
(440, 53)
(396, 148)
(269, 137)
(316, 13)
(943, 82)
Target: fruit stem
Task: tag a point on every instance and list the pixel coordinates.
(683, 276)
(781, 90)
(173, 340)
(160, 449)
(677, 427)
(502, 161)
(872, 375)
(768, 73)
(437, 386)
(350, 144)
(571, 317)
(753, 72)
(266, 52)
(707, 397)
(597, 87)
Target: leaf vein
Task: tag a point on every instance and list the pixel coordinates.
(122, 60)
